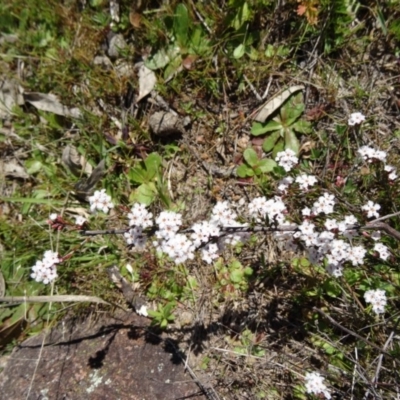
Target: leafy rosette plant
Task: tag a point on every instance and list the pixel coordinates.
(283, 127)
(253, 166)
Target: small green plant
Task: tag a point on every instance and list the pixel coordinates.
(283, 127)
(147, 176)
(185, 39)
(163, 315)
(247, 345)
(232, 277)
(253, 166)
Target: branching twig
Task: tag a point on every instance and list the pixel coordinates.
(352, 333)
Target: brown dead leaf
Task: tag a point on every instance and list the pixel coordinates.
(276, 102)
(301, 9)
(189, 61)
(135, 19)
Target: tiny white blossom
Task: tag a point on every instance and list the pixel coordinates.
(284, 184)
(356, 119)
(287, 159)
(377, 298)
(372, 209)
(382, 250)
(100, 201)
(369, 154)
(79, 220)
(335, 270)
(53, 217)
(306, 181)
(315, 384)
(210, 253)
(143, 311)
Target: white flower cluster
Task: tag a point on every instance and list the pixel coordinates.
(315, 384)
(324, 204)
(284, 183)
(140, 217)
(371, 209)
(369, 154)
(382, 250)
(135, 238)
(392, 172)
(356, 119)
(306, 181)
(176, 245)
(287, 159)
(260, 208)
(325, 244)
(378, 300)
(45, 270)
(100, 201)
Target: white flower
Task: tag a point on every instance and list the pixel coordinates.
(53, 217)
(331, 224)
(100, 201)
(382, 250)
(356, 255)
(45, 270)
(284, 184)
(372, 209)
(143, 311)
(306, 181)
(79, 220)
(315, 385)
(324, 204)
(392, 172)
(209, 253)
(135, 238)
(223, 215)
(369, 154)
(356, 119)
(377, 298)
(287, 159)
(335, 270)
(139, 216)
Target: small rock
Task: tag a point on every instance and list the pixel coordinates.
(164, 124)
(116, 44)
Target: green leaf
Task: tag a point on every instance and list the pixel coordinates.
(251, 157)
(172, 67)
(144, 194)
(291, 141)
(280, 145)
(302, 126)
(267, 165)
(258, 128)
(270, 141)
(239, 51)
(153, 163)
(138, 174)
(181, 25)
(270, 51)
(293, 109)
(244, 171)
(158, 60)
(248, 271)
(242, 15)
(33, 166)
(236, 276)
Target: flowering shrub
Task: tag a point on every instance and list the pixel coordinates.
(325, 240)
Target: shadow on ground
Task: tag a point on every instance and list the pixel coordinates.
(111, 358)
